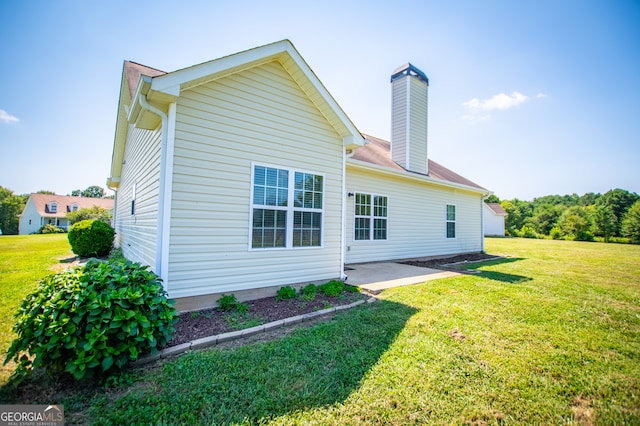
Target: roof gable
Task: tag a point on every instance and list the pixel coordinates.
(160, 89)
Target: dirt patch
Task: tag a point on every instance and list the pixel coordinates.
(209, 322)
(582, 411)
(449, 262)
(457, 334)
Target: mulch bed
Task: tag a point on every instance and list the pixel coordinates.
(209, 322)
(446, 262)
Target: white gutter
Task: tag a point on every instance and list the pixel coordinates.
(411, 176)
(161, 190)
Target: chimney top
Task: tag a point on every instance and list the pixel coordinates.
(409, 69)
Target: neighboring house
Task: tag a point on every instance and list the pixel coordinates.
(43, 209)
(494, 217)
(242, 175)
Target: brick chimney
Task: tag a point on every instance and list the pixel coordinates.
(409, 95)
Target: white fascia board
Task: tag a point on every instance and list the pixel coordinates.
(171, 83)
(361, 165)
(144, 85)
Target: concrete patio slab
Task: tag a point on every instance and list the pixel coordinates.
(377, 276)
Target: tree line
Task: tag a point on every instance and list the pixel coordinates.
(610, 217)
(12, 205)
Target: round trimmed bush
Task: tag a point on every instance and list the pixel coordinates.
(91, 238)
(92, 321)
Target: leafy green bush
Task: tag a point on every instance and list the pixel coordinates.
(332, 288)
(556, 233)
(309, 291)
(526, 232)
(286, 292)
(229, 303)
(92, 321)
(91, 238)
(50, 228)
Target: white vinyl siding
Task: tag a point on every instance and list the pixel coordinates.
(415, 217)
(259, 115)
(418, 129)
(136, 218)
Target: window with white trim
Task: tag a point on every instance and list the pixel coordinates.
(287, 208)
(370, 217)
(53, 208)
(451, 221)
(75, 207)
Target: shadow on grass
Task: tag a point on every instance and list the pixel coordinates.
(312, 367)
(505, 278)
(500, 276)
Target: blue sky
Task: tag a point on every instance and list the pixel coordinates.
(526, 98)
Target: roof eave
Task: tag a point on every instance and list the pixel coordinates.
(362, 165)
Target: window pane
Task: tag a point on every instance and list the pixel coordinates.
(362, 228)
(308, 191)
(451, 230)
(380, 229)
(306, 229)
(258, 195)
(451, 212)
(269, 228)
(363, 204)
(380, 206)
(259, 175)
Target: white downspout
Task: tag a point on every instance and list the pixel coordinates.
(343, 233)
(163, 164)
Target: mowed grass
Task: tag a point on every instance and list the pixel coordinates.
(550, 334)
(24, 261)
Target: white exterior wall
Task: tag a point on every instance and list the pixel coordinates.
(136, 234)
(416, 223)
(30, 221)
(493, 223)
(258, 115)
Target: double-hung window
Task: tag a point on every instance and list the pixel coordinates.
(451, 221)
(287, 208)
(370, 217)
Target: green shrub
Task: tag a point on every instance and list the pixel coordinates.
(309, 291)
(92, 321)
(116, 255)
(50, 228)
(229, 303)
(286, 292)
(91, 238)
(527, 232)
(332, 288)
(351, 289)
(556, 233)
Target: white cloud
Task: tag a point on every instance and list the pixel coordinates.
(7, 118)
(541, 95)
(500, 101)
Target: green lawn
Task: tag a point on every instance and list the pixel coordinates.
(548, 335)
(24, 260)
